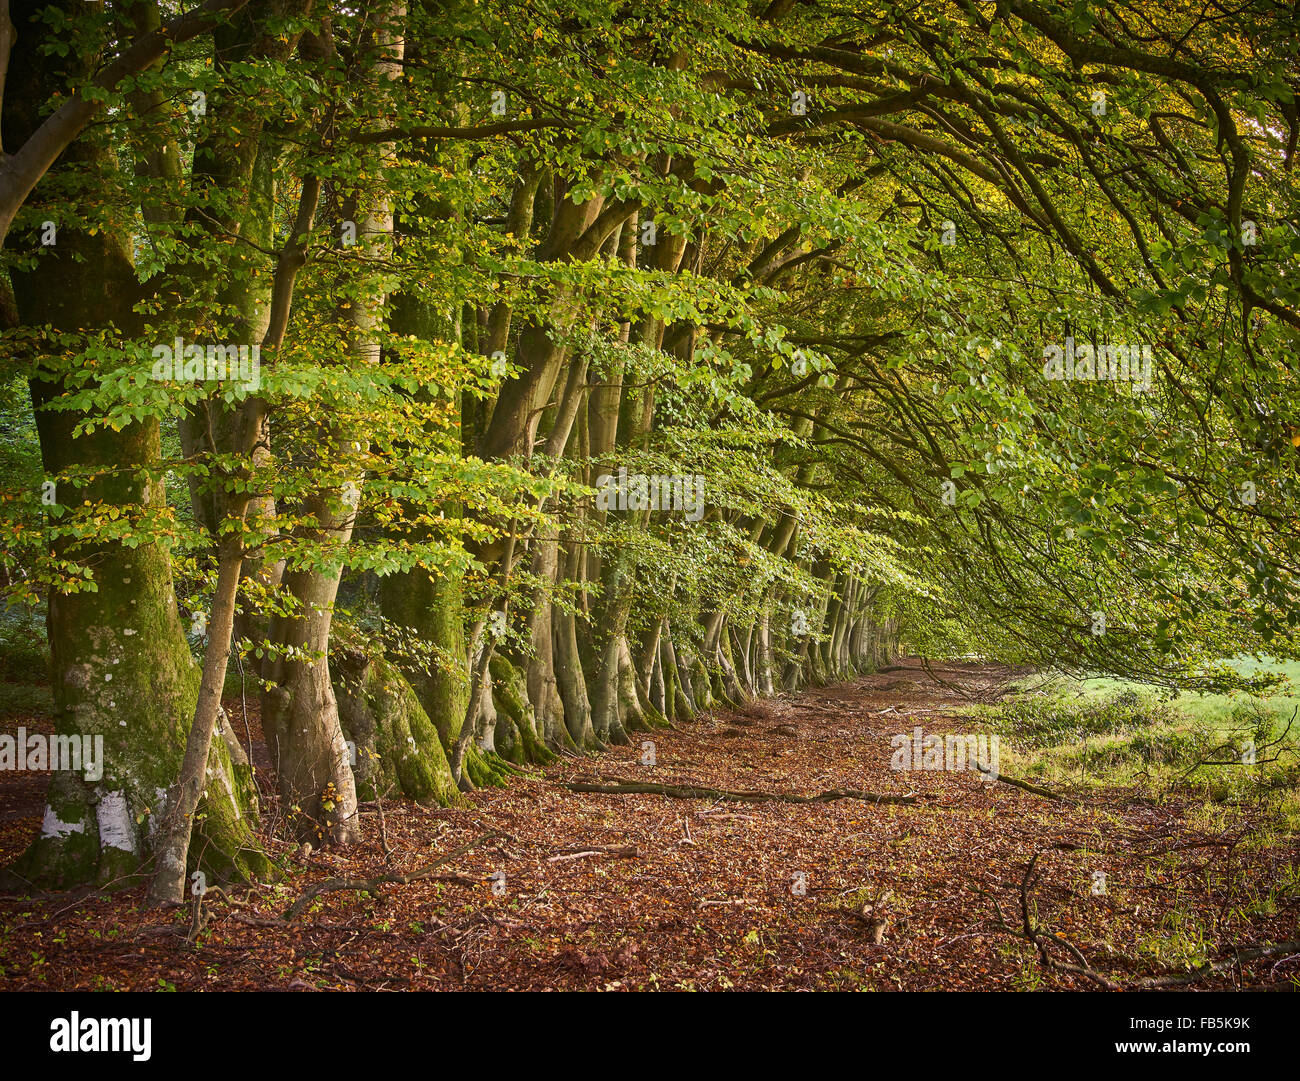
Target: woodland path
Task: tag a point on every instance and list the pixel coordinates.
(697, 893)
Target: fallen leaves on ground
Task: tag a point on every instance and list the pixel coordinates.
(629, 892)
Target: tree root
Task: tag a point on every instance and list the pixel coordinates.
(620, 786)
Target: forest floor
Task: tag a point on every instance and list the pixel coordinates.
(645, 891)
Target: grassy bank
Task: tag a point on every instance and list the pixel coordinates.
(1223, 748)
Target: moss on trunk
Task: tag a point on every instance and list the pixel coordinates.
(121, 668)
(516, 736)
(398, 751)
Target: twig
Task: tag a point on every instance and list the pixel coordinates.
(1025, 785)
(331, 885)
(383, 828)
(623, 851)
(620, 786)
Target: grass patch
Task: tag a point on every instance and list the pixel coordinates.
(1108, 732)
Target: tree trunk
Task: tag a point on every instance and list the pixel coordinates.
(569, 676)
(121, 667)
(300, 715)
(397, 749)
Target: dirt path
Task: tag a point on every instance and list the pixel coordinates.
(701, 894)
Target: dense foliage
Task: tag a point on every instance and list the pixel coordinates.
(969, 326)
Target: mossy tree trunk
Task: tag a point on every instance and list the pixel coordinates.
(121, 670)
(432, 606)
(121, 667)
(398, 752)
(516, 736)
(316, 779)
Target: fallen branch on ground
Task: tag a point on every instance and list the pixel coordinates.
(1042, 938)
(370, 885)
(1152, 982)
(1251, 954)
(1025, 785)
(944, 683)
(619, 786)
(624, 851)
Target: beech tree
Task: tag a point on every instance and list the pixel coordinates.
(620, 363)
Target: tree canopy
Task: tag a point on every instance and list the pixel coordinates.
(971, 325)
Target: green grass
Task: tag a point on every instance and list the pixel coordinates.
(1218, 709)
(1104, 731)
(1223, 713)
